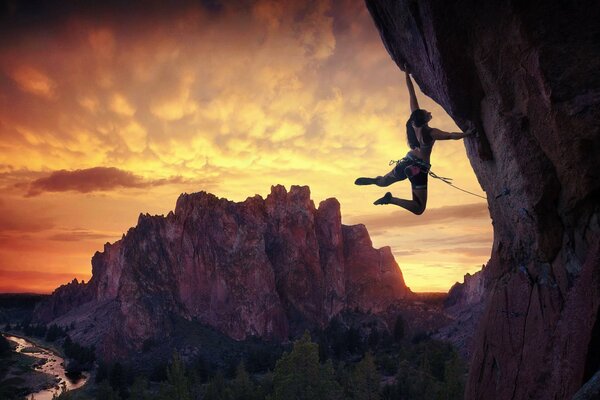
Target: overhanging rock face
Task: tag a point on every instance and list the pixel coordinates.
(527, 75)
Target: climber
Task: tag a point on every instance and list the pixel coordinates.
(415, 166)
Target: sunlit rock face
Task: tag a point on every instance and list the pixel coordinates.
(527, 75)
(268, 268)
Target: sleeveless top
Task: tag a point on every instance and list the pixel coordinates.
(424, 150)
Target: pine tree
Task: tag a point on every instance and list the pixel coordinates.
(453, 379)
(243, 388)
(217, 389)
(177, 380)
(366, 379)
(329, 387)
(298, 374)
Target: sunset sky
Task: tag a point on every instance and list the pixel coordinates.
(108, 111)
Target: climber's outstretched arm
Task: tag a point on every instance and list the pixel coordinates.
(438, 134)
(414, 104)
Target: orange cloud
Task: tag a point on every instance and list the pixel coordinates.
(229, 97)
(34, 81)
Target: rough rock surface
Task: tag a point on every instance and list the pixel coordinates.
(470, 291)
(464, 307)
(590, 390)
(267, 268)
(527, 75)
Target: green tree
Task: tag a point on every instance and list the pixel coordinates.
(365, 379)
(344, 377)
(217, 388)
(299, 376)
(242, 386)
(177, 380)
(454, 378)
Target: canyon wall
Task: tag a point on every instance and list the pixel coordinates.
(527, 76)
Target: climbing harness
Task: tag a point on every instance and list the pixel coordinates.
(434, 175)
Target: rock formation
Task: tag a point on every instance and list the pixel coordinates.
(527, 76)
(464, 306)
(267, 268)
(470, 291)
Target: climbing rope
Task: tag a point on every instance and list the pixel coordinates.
(447, 180)
(444, 179)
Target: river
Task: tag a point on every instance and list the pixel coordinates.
(53, 366)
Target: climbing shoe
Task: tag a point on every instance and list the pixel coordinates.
(365, 181)
(386, 199)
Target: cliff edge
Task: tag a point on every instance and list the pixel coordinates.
(527, 76)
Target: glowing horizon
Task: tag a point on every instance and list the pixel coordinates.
(105, 116)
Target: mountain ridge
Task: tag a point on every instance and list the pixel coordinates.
(268, 268)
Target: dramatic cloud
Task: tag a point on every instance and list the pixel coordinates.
(225, 96)
(91, 180)
(33, 81)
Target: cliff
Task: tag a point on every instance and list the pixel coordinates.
(266, 268)
(527, 76)
(464, 307)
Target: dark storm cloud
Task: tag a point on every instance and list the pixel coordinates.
(28, 13)
(91, 180)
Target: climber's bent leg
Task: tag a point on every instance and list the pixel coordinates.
(416, 206)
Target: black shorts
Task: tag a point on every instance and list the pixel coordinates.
(414, 169)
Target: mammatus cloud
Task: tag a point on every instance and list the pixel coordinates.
(33, 81)
(93, 180)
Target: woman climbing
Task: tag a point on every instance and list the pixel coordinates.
(415, 166)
